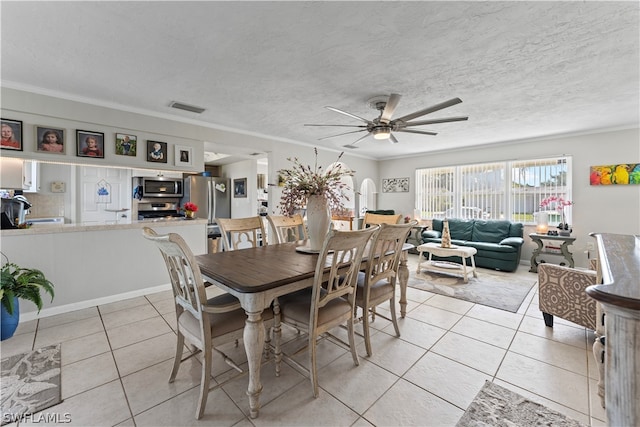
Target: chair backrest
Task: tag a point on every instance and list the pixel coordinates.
(242, 233)
(341, 251)
(288, 228)
(383, 258)
(186, 280)
(373, 219)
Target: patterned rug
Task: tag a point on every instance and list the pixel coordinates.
(499, 407)
(505, 291)
(30, 383)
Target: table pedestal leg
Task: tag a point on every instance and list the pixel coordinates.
(253, 336)
(403, 278)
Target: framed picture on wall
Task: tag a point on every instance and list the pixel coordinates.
(126, 144)
(183, 155)
(50, 140)
(240, 187)
(156, 151)
(395, 185)
(90, 144)
(11, 134)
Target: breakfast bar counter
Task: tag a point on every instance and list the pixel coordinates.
(93, 264)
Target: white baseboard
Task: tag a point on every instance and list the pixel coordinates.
(52, 311)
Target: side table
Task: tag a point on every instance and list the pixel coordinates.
(564, 249)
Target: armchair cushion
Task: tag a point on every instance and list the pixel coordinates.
(561, 292)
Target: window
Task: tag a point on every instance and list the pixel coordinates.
(498, 190)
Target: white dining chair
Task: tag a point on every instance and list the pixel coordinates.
(241, 233)
(203, 323)
(288, 228)
(377, 284)
(331, 300)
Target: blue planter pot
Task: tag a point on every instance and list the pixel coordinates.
(9, 322)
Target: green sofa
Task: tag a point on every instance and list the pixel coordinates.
(498, 243)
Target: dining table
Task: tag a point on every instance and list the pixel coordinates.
(256, 276)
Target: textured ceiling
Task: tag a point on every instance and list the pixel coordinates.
(522, 69)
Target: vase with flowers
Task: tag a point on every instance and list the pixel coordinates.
(321, 191)
(190, 210)
(559, 204)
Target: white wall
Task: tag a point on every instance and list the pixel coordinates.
(606, 209)
(242, 207)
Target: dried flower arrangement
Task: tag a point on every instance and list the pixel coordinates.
(302, 181)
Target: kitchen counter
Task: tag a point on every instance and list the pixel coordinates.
(97, 264)
(74, 228)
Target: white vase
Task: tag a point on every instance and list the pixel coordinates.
(318, 221)
(542, 222)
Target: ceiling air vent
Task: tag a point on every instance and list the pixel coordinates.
(186, 107)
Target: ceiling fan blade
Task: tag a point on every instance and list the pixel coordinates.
(346, 126)
(422, 132)
(348, 114)
(435, 121)
(345, 133)
(390, 107)
(358, 140)
(431, 109)
(392, 139)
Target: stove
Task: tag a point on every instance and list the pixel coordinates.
(158, 210)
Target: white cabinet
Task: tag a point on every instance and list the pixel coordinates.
(10, 173)
(31, 176)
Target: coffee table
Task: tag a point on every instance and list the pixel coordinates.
(444, 266)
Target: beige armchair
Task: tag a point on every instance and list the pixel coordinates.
(561, 292)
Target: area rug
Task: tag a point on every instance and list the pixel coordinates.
(499, 407)
(504, 291)
(30, 382)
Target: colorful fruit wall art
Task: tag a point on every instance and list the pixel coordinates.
(622, 174)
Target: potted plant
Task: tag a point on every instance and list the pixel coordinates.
(18, 282)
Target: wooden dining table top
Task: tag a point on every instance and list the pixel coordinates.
(259, 269)
(262, 268)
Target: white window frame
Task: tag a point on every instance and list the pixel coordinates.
(515, 195)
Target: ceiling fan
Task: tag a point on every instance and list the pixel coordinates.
(382, 126)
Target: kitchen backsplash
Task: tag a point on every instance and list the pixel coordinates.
(45, 205)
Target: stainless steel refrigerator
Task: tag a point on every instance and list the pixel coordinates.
(211, 195)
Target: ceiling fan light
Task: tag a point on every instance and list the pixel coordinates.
(381, 133)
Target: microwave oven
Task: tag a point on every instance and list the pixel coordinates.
(158, 187)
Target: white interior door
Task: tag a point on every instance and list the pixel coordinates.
(103, 192)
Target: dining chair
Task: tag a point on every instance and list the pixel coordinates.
(288, 228)
(241, 233)
(331, 300)
(376, 219)
(203, 323)
(377, 283)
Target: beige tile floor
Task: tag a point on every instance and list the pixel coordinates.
(117, 357)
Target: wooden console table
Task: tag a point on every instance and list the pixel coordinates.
(619, 295)
(564, 249)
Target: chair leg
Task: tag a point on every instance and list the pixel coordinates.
(313, 368)
(178, 358)
(352, 342)
(367, 334)
(548, 319)
(204, 383)
(394, 318)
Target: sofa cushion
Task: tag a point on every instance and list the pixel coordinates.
(493, 247)
(490, 231)
(461, 230)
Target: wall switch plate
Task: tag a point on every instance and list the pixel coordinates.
(57, 187)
